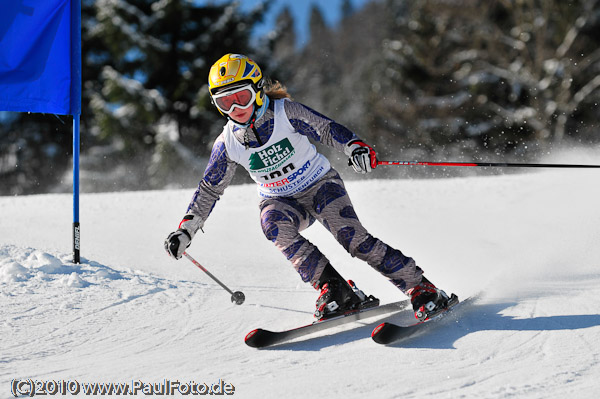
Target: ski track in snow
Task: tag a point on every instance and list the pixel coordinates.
(526, 245)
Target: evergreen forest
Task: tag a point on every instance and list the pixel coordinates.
(429, 80)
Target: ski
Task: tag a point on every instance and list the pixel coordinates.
(388, 333)
(261, 338)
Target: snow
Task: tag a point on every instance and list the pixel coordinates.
(526, 245)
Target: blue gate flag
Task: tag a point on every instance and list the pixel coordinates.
(40, 56)
(40, 68)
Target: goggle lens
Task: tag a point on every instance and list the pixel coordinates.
(242, 98)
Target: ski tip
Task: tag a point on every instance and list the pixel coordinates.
(381, 333)
(259, 338)
(377, 329)
(252, 333)
(250, 338)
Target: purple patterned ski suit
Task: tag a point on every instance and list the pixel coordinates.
(283, 217)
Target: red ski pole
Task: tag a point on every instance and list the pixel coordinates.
(484, 164)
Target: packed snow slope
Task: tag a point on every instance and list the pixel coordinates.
(527, 245)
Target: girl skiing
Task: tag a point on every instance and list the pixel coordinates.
(268, 134)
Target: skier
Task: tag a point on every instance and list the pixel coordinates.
(268, 134)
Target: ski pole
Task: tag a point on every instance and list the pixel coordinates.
(484, 164)
(237, 297)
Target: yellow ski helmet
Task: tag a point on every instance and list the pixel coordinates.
(233, 70)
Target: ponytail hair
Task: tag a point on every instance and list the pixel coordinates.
(275, 90)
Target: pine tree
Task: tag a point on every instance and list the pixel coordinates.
(284, 37)
(507, 76)
(153, 106)
(347, 9)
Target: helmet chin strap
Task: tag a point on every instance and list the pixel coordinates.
(257, 112)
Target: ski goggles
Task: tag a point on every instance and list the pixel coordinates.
(242, 98)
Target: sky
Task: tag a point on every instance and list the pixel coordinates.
(300, 9)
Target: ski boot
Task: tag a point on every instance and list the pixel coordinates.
(338, 296)
(426, 299)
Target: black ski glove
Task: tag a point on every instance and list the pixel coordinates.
(177, 242)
